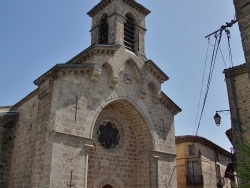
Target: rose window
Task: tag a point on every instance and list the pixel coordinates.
(108, 135)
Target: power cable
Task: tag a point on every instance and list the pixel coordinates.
(213, 60)
(229, 47)
(223, 58)
(204, 70)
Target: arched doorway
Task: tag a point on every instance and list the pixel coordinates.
(107, 186)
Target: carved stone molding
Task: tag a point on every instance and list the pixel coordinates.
(61, 70)
(113, 82)
(45, 88)
(169, 104)
(95, 75)
(234, 71)
(155, 71)
(97, 49)
(143, 93)
(100, 6)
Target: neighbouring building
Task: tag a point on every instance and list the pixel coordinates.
(238, 88)
(201, 163)
(242, 13)
(98, 121)
(238, 82)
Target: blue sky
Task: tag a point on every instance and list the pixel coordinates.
(36, 35)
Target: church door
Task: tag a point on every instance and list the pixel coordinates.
(107, 186)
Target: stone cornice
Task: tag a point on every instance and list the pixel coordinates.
(60, 69)
(234, 71)
(162, 153)
(8, 118)
(4, 108)
(88, 142)
(25, 99)
(97, 49)
(100, 6)
(169, 104)
(203, 141)
(156, 71)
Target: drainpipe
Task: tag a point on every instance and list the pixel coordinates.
(156, 158)
(215, 163)
(87, 146)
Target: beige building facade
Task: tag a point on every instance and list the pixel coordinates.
(200, 163)
(98, 121)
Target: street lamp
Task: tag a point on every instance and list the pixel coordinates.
(217, 117)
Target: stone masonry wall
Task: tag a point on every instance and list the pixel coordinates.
(238, 87)
(21, 165)
(80, 103)
(29, 167)
(7, 122)
(243, 18)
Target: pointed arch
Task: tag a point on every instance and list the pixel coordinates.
(135, 69)
(107, 186)
(135, 134)
(103, 30)
(152, 88)
(129, 32)
(107, 73)
(109, 182)
(135, 108)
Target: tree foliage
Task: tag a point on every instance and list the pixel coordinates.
(243, 165)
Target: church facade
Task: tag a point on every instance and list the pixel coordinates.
(98, 121)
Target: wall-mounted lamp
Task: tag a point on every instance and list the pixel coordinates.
(217, 117)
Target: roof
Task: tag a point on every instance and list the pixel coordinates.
(203, 141)
(168, 103)
(236, 70)
(100, 6)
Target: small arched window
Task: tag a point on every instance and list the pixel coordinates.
(104, 30)
(129, 33)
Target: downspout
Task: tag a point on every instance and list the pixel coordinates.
(215, 163)
(156, 158)
(157, 178)
(87, 147)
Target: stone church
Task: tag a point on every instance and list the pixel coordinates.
(98, 121)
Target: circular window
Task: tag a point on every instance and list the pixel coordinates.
(108, 135)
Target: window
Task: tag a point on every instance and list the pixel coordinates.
(193, 173)
(103, 30)
(129, 33)
(191, 150)
(220, 180)
(108, 135)
(192, 168)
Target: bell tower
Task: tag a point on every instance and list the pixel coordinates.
(119, 22)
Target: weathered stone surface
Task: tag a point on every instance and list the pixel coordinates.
(57, 131)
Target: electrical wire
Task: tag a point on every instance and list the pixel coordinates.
(213, 60)
(223, 58)
(229, 47)
(204, 70)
